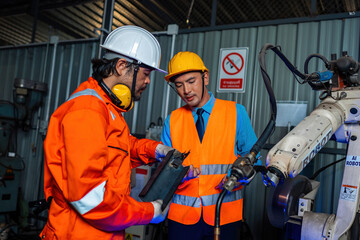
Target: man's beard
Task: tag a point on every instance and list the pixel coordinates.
(137, 98)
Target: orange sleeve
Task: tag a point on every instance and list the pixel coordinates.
(142, 151)
(87, 171)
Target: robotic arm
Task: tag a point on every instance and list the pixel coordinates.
(290, 155)
(339, 105)
(337, 115)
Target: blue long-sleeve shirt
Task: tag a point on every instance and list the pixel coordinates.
(245, 135)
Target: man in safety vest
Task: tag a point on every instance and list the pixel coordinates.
(215, 132)
(89, 151)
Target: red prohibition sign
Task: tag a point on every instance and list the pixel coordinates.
(232, 63)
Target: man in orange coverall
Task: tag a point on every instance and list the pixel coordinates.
(89, 151)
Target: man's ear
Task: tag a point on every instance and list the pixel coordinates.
(206, 78)
(121, 66)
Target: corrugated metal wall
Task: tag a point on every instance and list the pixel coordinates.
(65, 64)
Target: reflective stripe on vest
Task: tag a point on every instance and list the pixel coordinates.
(230, 197)
(210, 169)
(86, 92)
(89, 92)
(213, 156)
(91, 200)
(186, 200)
(206, 200)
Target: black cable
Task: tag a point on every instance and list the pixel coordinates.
(218, 207)
(291, 67)
(306, 63)
(325, 167)
(271, 124)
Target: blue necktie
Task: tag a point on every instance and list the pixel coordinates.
(200, 125)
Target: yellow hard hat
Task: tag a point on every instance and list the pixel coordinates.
(185, 62)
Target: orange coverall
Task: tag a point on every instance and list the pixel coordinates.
(89, 153)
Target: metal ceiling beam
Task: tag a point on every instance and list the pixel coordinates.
(89, 13)
(240, 11)
(64, 3)
(206, 8)
(120, 20)
(128, 15)
(174, 7)
(26, 22)
(19, 7)
(107, 22)
(60, 26)
(313, 7)
(272, 22)
(108, 12)
(253, 8)
(17, 30)
(213, 13)
(12, 34)
(34, 12)
(153, 6)
(85, 23)
(152, 15)
(132, 12)
(73, 22)
(225, 17)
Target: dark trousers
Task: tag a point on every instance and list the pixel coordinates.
(202, 231)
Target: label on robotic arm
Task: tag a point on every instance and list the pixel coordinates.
(353, 161)
(317, 148)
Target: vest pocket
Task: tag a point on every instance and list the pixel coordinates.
(117, 154)
(118, 148)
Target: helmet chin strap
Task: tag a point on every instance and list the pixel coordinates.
(136, 69)
(203, 86)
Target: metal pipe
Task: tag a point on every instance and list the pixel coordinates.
(149, 102)
(135, 114)
(53, 40)
(71, 63)
(167, 94)
(108, 13)
(60, 72)
(81, 65)
(213, 13)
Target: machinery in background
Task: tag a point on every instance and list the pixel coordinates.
(336, 117)
(28, 96)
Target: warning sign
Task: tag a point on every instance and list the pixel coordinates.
(232, 69)
(348, 192)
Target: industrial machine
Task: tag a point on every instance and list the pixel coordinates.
(336, 117)
(28, 96)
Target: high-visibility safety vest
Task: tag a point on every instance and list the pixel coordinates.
(214, 156)
(89, 153)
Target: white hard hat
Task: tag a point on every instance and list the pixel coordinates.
(136, 43)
